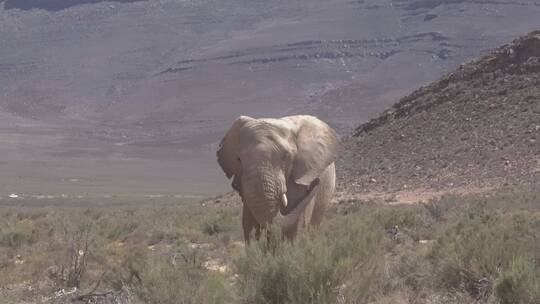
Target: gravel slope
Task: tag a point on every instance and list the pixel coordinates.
(478, 126)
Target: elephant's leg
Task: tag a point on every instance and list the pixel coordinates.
(290, 234)
(326, 192)
(296, 194)
(302, 223)
(249, 224)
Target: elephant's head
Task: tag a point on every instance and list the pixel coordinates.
(267, 156)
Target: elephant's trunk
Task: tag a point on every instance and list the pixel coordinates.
(264, 193)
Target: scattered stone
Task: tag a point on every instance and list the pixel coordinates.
(457, 128)
(200, 246)
(215, 265)
(19, 259)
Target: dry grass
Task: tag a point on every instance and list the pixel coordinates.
(457, 249)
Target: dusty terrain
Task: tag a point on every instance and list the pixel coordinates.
(116, 97)
(474, 248)
(477, 127)
(110, 112)
(478, 245)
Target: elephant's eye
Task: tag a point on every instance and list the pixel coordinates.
(285, 156)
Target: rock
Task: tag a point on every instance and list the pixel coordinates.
(215, 265)
(456, 128)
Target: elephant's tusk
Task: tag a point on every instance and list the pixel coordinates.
(284, 200)
(287, 221)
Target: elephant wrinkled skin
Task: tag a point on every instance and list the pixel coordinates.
(282, 168)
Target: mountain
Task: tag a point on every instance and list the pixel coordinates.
(478, 126)
(108, 97)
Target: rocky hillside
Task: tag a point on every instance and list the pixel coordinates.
(114, 97)
(478, 126)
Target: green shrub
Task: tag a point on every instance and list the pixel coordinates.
(473, 253)
(15, 238)
(219, 223)
(121, 227)
(15, 233)
(520, 282)
(340, 260)
(413, 221)
(78, 243)
(160, 281)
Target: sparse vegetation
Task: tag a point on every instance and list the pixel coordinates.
(77, 241)
(458, 249)
(478, 250)
(218, 223)
(520, 281)
(162, 280)
(16, 232)
(342, 259)
(476, 126)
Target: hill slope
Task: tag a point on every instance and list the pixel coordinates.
(477, 126)
(114, 97)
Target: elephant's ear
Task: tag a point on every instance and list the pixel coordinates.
(317, 147)
(227, 154)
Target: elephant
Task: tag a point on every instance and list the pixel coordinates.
(283, 169)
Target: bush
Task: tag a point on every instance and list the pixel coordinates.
(160, 280)
(340, 260)
(77, 242)
(15, 233)
(411, 221)
(15, 238)
(520, 282)
(483, 248)
(121, 227)
(221, 222)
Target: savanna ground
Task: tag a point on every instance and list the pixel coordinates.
(474, 248)
(474, 131)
